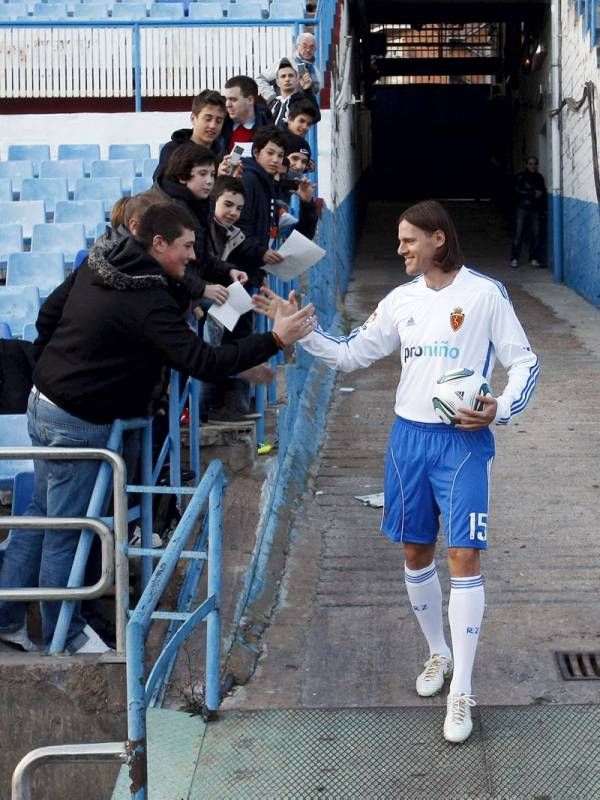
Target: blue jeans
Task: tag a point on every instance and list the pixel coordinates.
(61, 489)
(527, 228)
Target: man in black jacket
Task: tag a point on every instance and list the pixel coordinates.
(105, 335)
(531, 201)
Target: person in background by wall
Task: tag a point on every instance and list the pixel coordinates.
(531, 203)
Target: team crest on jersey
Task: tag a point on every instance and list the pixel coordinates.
(457, 317)
(369, 321)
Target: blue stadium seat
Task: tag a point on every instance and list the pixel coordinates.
(90, 11)
(13, 11)
(70, 168)
(129, 11)
(90, 212)
(59, 237)
(13, 433)
(18, 306)
(29, 152)
(29, 332)
(141, 184)
(205, 11)
(22, 493)
(109, 190)
(138, 152)
(6, 189)
(44, 270)
(123, 168)
(5, 331)
(25, 213)
(16, 171)
(50, 11)
(287, 9)
(148, 167)
(49, 190)
(87, 152)
(11, 240)
(167, 11)
(246, 10)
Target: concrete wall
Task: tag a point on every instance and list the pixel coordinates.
(581, 210)
(47, 701)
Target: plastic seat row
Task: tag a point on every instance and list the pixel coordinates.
(52, 237)
(37, 153)
(62, 180)
(242, 9)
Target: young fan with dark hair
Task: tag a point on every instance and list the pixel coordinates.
(302, 115)
(188, 180)
(208, 115)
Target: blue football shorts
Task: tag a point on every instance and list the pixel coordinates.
(432, 470)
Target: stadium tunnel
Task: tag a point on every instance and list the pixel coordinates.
(442, 84)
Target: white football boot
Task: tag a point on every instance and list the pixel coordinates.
(458, 723)
(437, 669)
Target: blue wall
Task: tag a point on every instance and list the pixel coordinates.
(581, 247)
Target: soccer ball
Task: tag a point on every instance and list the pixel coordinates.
(456, 389)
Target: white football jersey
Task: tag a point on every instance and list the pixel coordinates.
(467, 324)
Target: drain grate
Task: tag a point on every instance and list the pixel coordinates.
(578, 666)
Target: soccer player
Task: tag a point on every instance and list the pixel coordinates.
(448, 316)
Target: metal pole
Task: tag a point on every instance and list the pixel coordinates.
(146, 564)
(556, 209)
(213, 621)
(137, 66)
(136, 712)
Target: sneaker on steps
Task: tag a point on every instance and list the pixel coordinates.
(19, 639)
(431, 680)
(458, 723)
(93, 643)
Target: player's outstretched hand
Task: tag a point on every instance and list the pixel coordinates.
(291, 328)
(468, 420)
(268, 303)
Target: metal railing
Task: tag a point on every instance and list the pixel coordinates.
(139, 692)
(144, 58)
(76, 592)
(64, 753)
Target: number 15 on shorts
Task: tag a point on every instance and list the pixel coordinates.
(478, 526)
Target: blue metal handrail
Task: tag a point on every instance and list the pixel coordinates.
(139, 690)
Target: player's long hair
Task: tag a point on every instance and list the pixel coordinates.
(430, 216)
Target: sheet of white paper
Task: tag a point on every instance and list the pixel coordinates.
(237, 303)
(299, 254)
(373, 500)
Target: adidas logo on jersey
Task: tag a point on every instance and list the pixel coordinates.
(410, 322)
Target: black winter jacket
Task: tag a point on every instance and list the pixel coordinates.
(259, 217)
(105, 334)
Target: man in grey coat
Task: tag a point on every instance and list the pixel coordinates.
(303, 57)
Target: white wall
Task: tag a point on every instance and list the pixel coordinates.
(153, 128)
(579, 64)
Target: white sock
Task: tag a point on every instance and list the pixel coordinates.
(465, 612)
(425, 595)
